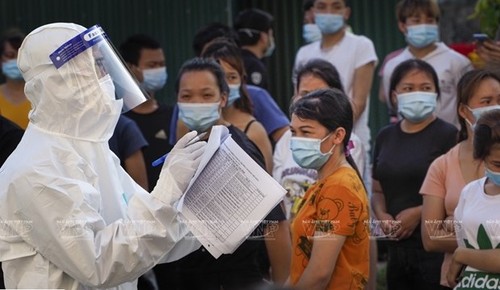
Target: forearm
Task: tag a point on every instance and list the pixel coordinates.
(378, 204)
(279, 251)
(311, 280)
(359, 104)
(437, 244)
(417, 211)
(152, 230)
(437, 228)
(484, 260)
(362, 83)
(136, 168)
(322, 263)
(436, 238)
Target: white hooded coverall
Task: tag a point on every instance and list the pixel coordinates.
(70, 216)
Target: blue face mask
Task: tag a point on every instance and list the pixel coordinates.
(329, 23)
(422, 35)
(307, 152)
(493, 176)
(11, 71)
(416, 106)
(154, 79)
(311, 32)
(477, 112)
(199, 116)
(234, 94)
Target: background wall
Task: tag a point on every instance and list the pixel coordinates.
(174, 23)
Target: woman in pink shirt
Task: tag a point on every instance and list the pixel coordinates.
(477, 91)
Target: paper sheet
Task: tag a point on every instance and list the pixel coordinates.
(229, 195)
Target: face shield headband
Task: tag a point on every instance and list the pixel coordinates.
(107, 63)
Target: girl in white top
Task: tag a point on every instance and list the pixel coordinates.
(476, 216)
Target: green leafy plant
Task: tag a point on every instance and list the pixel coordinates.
(488, 14)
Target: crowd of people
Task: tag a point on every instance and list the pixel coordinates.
(82, 206)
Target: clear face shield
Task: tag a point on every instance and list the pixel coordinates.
(90, 56)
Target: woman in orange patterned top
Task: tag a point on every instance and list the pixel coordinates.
(330, 235)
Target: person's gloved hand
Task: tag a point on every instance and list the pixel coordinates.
(178, 169)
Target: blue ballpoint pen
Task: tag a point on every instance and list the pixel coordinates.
(191, 142)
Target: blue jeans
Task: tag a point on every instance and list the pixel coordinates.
(413, 269)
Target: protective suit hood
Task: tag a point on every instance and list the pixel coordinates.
(68, 101)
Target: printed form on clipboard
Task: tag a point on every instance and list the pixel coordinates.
(229, 195)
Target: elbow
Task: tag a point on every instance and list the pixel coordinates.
(323, 278)
(357, 111)
(428, 247)
(426, 241)
(359, 107)
(429, 244)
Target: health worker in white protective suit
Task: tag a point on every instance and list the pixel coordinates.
(71, 217)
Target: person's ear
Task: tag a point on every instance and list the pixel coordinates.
(136, 71)
(402, 27)
(394, 99)
(347, 13)
(264, 39)
(464, 112)
(223, 100)
(338, 136)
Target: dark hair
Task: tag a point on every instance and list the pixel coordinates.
(250, 23)
(466, 88)
(13, 36)
(408, 8)
(131, 48)
(486, 134)
(230, 53)
(203, 64)
(407, 66)
(307, 4)
(210, 32)
(346, 2)
(321, 69)
(332, 109)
